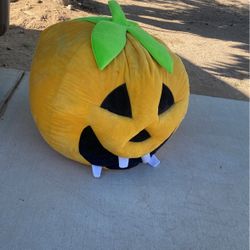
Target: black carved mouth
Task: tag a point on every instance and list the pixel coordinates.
(93, 151)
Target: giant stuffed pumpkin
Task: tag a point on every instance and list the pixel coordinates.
(105, 93)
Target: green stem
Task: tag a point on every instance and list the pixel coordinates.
(118, 15)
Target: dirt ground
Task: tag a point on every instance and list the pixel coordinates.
(211, 36)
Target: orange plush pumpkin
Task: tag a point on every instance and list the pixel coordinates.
(105, 93)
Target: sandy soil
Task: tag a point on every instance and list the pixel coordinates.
(211, 36)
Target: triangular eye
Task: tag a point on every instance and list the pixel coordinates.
(118, 101)
(166, 101)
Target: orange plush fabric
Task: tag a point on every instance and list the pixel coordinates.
(68, 90)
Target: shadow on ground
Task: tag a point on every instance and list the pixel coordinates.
(17, 47)
(205, 83)
(205, 18)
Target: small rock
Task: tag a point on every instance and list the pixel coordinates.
(29, 7)
(62, 2)
(8, 48)
(26, 45)
(39, 1)
(70, 7)
(62, 18)
(44, 17)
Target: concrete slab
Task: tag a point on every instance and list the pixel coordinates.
(197, 199)
(9, 79)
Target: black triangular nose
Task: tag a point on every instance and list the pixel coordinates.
(142, 136)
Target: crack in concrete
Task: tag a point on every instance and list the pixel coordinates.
(7, 98)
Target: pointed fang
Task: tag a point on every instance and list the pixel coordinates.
(146, 158)
(96, 171)
(154, 161)
(123, 162)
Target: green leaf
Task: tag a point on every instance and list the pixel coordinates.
(97, 19)
(93, 19)
(108, 40)
(118, 15)
(157, 50)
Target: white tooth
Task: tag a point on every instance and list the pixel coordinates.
(123, 162)
(146, 158)
(154, 161)
(96, 171)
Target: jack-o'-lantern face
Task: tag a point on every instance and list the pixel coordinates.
(117, 103)
(136, 109)
(103, 117)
